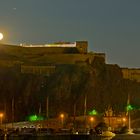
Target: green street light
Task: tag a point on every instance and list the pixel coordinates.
(129, 107)
(93, 112)
(35, 118)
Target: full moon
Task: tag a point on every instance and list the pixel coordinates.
(1, 36)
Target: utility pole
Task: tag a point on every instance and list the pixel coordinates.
(13, 111)
(47, 107)
(5, 110)
(40, 109)
(74, 114)
(85, 110)
(85, 105)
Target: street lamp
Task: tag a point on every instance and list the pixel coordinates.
(62, 119)
(124, 121)
(91, 121)
(1, 117)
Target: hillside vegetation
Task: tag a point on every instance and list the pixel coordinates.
(102, 84)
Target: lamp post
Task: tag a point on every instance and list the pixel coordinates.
(91, 121)
(62, 119)
(124, 121)
(1, 118)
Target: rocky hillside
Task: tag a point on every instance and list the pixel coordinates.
(102, 84)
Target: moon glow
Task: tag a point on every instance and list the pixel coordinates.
(1, 36)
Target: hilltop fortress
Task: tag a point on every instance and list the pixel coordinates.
(44, 59)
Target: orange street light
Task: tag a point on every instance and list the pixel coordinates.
(1, 117)
(62, 119)
(61, 116)
(124, 120)
(91, 121)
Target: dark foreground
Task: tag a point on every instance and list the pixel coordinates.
(71, 137)
(126, 137)
(54, 137)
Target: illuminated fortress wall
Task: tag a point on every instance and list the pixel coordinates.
(131, 74)
(60, 47)
(42, 59)
(79, 47)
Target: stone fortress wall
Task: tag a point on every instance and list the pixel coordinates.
(131, 74)
(47, 70)
(43, 59)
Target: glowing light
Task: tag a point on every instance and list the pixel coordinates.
(62, 116)
(91, 119)
(35, 118)
(129, 107)
(93, 112)
(62, 119)
(1, 36)
(124, 119)
(1, 115)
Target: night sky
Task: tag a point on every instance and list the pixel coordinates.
(110, 26)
